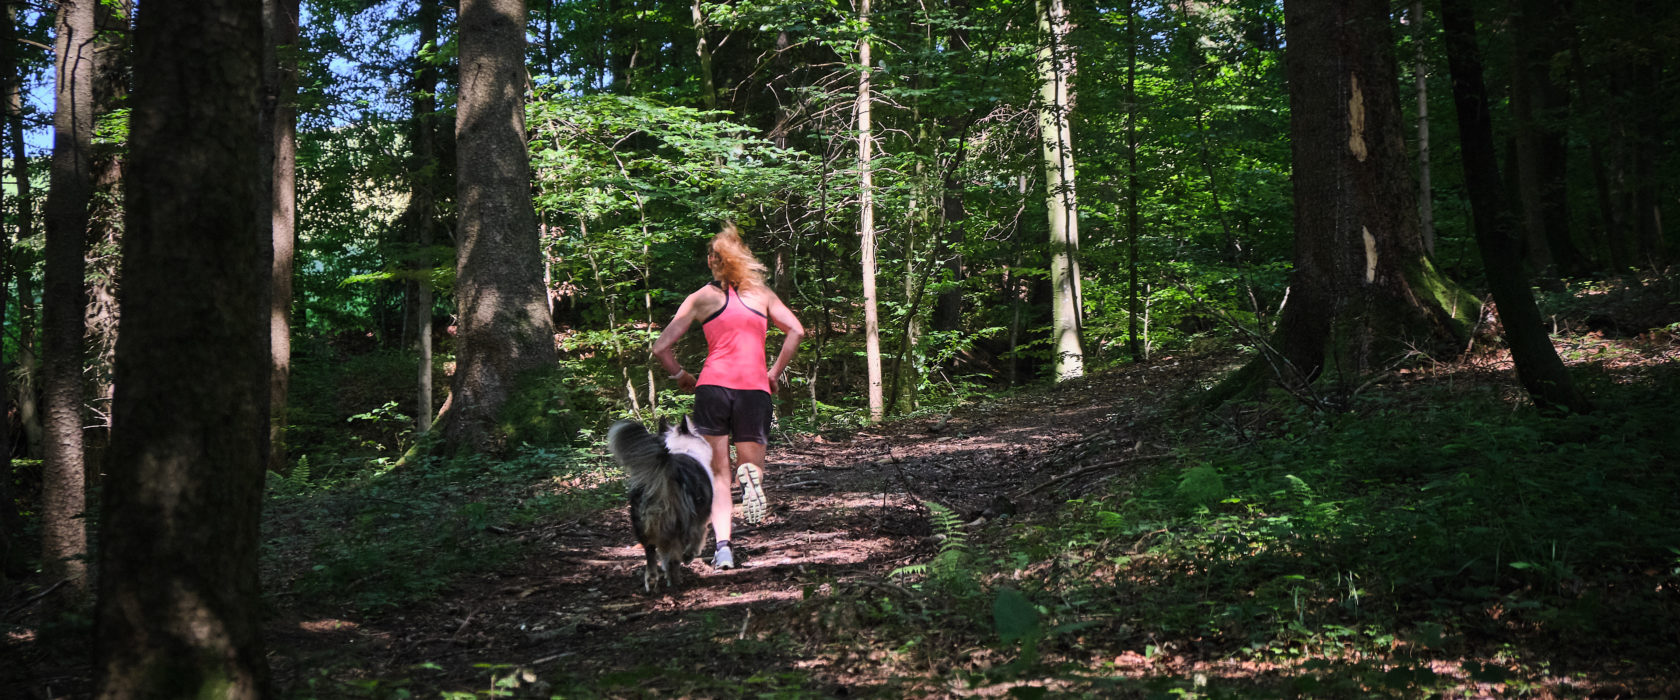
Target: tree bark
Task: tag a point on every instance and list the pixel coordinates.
(28, 408)
(63, 531)
(504, 328)
(280, 85)
(1362, 291)
(1055, 67)
(1538, 366)
(11, 521)
(1540, 108)
(866, 224)
(420, 217)
(1420, 79)
(178, 590)
(1133, 342)
(703, 51)
(110, 91)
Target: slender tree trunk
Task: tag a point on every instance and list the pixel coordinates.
(1055, 67)
(63, 530)
(28, 408)
(1420, 78)
(1644, 144)
(866, 223)
(420, 216)
(1541, 109)
(178, 590)
(1132, 232)
(783, 257)
(504, 329)
(280, 80)
(11, 521)
(703, 49)
(1538, 366)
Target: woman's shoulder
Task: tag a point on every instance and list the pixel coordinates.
(758, 293)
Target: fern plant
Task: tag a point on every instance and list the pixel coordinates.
(951, 568)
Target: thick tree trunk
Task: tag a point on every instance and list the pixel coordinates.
(1055, 67)
(1363, 291)
(1538, 366)
(504, 328)
(110, 92)
(866, 225)
(178, 591)
(280, 85)
(63, 530)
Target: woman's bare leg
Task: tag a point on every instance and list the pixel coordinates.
(723, 506)
(750, 453)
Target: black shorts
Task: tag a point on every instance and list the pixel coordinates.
(741, 414)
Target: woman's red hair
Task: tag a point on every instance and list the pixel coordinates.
(733, 261)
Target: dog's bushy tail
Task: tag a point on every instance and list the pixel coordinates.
(651, 470)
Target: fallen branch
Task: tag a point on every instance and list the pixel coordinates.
(551, 657)
(31, 600)
(1086, 470)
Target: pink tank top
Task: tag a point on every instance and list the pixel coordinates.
(735, 346)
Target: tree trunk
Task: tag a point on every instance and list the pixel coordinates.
(11, 521)
(703, 50)
(110, 92)
(420, 216)
(1133, 342)
(1540, 108)
(1644, 143)
(504, 329)
(866, 224)
(28, 408)
(178, 590)
(63, 531)
(280, 85)
(1538, 366)
(1055, 67)
(1420, 78)
(1363, 291)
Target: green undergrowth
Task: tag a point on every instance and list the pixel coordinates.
(400, 535)
(1426, 540)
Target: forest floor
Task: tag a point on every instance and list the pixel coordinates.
(1431, 536)
(846, 511)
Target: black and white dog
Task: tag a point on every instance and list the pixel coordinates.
(670, 491)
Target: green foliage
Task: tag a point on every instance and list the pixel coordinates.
(951, 570)
(1396, 522)
(1200, 486)
(349, 410)
(546, 409)
(394, 537)
(1017, 620)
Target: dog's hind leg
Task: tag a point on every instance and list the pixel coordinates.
(647, 571)
(665, 573)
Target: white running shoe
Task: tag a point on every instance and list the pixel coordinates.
(753, 507)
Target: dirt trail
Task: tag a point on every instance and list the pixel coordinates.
(844, 508)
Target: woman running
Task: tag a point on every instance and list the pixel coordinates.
(732, 395)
